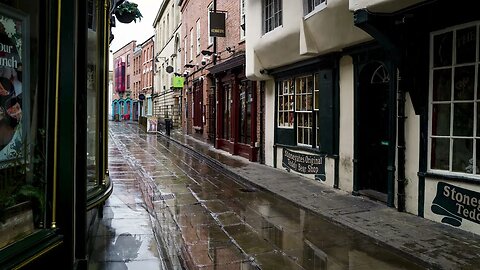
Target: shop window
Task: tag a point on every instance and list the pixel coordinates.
(272, 14)
(305, 112)
(311, 6)
(23, 121)
(286, 101)
(227, 100)
(454, 101)
(246, 99)
(304, 93)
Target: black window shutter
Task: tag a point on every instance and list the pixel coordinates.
(325, 120)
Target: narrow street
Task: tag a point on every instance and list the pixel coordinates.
(203, 219)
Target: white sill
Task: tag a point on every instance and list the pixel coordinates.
(317, 9)
(273, 30)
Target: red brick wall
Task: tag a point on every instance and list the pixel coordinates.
(191, 11)
(122, 53)
(147, 67)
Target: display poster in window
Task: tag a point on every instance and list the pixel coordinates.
(456, 204)
(13, 85)
(152, 123)
(304, 163)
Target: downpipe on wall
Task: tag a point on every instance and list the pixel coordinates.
(401, 181)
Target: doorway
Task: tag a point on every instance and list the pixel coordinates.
(373, 130)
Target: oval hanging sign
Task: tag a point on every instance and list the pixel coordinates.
(169, 69)
(141, 97)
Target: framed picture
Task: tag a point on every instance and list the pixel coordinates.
(14, 86)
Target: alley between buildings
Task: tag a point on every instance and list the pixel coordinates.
(203, 219)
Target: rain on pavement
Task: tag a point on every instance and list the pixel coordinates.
(202, 219)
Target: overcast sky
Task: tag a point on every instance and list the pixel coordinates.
(140, 31)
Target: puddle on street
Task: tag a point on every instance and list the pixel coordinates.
(213, 222)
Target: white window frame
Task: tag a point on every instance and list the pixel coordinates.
(210, 38)
(476, 102)
(276, 9)
(242, 19)
(185, 50)
(289, 95)
(308, 110)
(198, 37)
(191, 45)
(317, 8)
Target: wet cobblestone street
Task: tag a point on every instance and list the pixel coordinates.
(203, 219)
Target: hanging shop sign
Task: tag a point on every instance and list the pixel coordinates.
(178, 81)
(304, 163)
(14, 88)
(455, 204)
(141, 97)
(217, 24)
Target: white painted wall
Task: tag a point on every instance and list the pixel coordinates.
(346, 124)
(299, 38)
(269, 121)
(412, 154)
(167, 55)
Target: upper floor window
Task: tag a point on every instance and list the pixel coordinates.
(198, 37)
(313, 5)
(191, 44)
(454, 126)
(128, 60)
(185, 50)
(210, 39)
(242, 19)
(272, 14)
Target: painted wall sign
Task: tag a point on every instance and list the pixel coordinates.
(304, 163)
(217, 24)
(455, 204)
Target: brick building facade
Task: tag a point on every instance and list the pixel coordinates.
(146, 81)
(216, 82)
(122, 100)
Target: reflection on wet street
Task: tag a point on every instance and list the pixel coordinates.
(202, 219)
(124, 239)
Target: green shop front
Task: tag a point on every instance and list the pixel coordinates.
(53, 130)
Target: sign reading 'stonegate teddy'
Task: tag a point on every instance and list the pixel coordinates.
(455, 204)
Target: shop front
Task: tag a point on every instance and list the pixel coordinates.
(433, 48)
(53, 144)
(237, 103)
(305, 119)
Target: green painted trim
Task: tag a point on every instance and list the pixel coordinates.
(27, 250)
(423, 161)
(99, 195)
(392, 133)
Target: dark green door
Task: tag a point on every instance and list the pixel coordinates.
(372, 128)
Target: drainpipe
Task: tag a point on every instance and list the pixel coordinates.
(214, 60)
(401, 147)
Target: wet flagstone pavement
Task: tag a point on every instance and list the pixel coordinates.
(171, 210)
